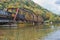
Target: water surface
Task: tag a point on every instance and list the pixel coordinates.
(29, 32)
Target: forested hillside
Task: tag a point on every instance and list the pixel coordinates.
(29, 4)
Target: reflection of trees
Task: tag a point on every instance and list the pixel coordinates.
(42, 30)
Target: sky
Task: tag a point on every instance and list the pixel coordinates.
(52, 5)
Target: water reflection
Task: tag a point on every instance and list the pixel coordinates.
(53, 36)
(25, 32)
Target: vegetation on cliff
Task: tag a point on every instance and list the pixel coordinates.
(29, 4)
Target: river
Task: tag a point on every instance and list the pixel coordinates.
(30, 32)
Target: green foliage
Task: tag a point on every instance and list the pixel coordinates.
(47, 15)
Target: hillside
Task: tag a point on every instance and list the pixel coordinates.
(28, 4)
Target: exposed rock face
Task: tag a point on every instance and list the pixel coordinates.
(30, 15)
(30, 6)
